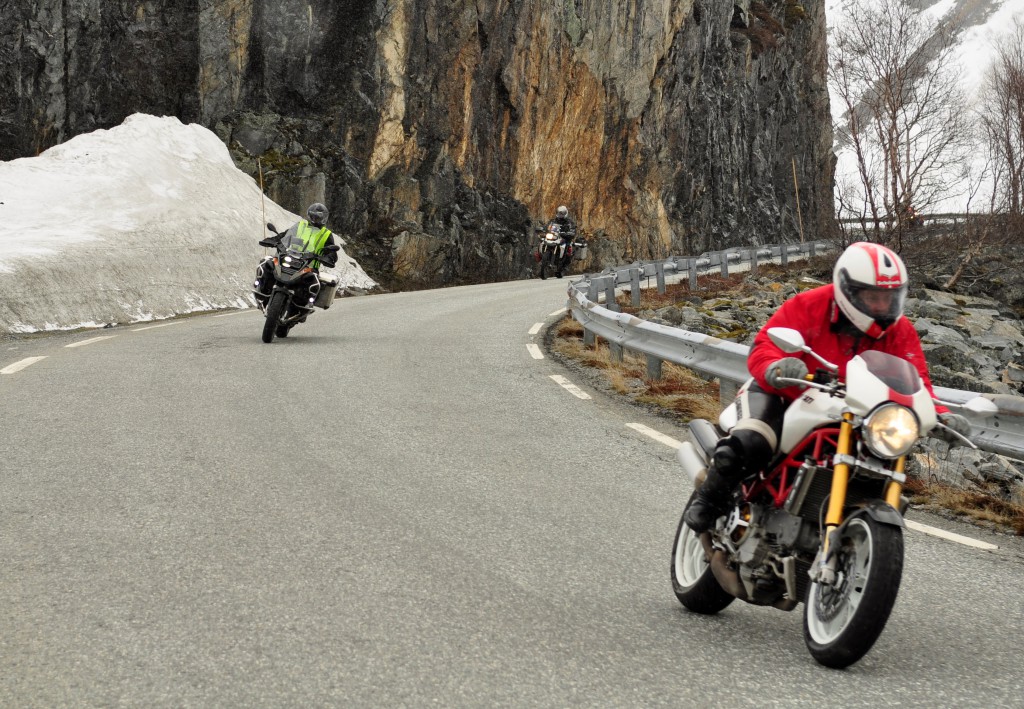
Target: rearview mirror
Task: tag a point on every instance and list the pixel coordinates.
(786, 339)
(270, 225)
(981, 405)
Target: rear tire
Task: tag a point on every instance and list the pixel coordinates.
(693, 581)
(274, 312)
(842, 622)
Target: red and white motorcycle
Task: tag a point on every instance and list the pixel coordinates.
(822, 524)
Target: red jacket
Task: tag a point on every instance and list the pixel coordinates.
(814, 314)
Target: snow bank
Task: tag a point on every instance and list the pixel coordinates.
(144, 221)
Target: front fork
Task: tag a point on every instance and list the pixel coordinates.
(826, 570)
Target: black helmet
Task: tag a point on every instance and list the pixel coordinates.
(317, 214)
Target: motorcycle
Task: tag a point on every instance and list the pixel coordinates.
(288, 287)
(822, 524)
(556, 249)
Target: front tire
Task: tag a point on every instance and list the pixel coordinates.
(693, 582)
(842, 622)
(274, 312)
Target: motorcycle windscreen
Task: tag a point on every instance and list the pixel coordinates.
(897, 374)
(291, 241)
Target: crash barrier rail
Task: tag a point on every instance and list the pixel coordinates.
(1000, 432)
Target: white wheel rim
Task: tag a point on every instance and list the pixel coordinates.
(830, 609)
(689, 563)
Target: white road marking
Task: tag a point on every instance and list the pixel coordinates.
(557, 312)
(237, 312)
(916, 526)
(150, 327)
(536, 328)
(83, 343)
(951, 536)
(18, 366)
(535, 351)
(570, 387)
(651, 433)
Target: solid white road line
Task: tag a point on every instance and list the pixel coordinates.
(916, 526)
(83, 343)
(535, 351)
(536, 328)
(150, 327)
(951, 536)
(651, 433)
(18, 366)
(237, 312)
(570, 387)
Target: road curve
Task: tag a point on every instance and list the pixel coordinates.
(398, 505)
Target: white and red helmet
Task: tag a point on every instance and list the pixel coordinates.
(863, 270)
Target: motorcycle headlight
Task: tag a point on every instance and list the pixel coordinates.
(891, 430)
(288, 259)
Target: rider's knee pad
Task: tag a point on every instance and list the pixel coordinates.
(741, 453)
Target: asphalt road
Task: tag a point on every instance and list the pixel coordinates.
(398, 506)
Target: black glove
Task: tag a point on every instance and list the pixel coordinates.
(787, 367)
(955, 422)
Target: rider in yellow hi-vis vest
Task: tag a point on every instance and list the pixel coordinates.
(313, 235)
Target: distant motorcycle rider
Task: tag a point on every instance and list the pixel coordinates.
(861, 310)
(312, 233)
(567, 230)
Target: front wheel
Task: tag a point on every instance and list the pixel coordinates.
(693, 581)
(274, 311)
(843, 621)
(545, 261)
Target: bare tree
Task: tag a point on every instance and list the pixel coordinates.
(906, 119)
(1002, 116)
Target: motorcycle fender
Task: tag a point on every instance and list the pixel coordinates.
(880, 511)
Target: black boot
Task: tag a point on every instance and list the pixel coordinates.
(710, 502)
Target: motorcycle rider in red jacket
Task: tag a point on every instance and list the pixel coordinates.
(862, 310)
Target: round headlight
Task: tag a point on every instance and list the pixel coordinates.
(891, 430)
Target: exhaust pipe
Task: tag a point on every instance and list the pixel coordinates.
(693, 462)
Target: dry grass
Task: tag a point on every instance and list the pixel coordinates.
(975, 505)
(679, 392)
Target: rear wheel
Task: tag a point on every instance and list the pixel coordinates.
(274, 312)
(842, 622)
(692, 579)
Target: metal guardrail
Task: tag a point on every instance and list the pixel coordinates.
(1001, 432)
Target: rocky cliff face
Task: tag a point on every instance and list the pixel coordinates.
(439, 131)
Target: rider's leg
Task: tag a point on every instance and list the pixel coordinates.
(748, 448)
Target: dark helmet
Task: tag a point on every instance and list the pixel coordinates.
(317, 214)
(562, 212)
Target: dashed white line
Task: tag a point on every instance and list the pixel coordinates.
(916, 526)
(20, 365)
(557, 312)
(536, 328)
(570, 387)
(150, 327)
(83, 343)
(651, 433)
(535, 351)
(951, 536)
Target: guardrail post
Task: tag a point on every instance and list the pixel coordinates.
(634, 286)
(616, 352)
(609, 295)
(659, 274)
(727, 390)
(653, 367)
(725, 265)
(691, 267)
(753, 262)
(785, 256)
(814, 244)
